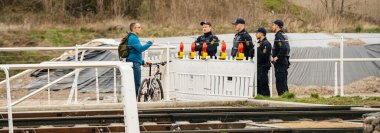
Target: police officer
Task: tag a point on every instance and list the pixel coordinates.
(280, 54)
(263, 61)
(242, 37)
(208, 38)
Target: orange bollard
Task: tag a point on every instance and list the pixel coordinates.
(181, 53)
(223, 54)
(192, 53)
(240, 55)
(204, 53)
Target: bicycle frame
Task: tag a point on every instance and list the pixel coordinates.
(151, 86)
(156, 75)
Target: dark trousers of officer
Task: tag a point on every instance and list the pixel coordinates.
(281, 72)
(212, 54)
(262, 80)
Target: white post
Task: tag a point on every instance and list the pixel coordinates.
(97, 84)
(9, 98)
(167, 82)
(75, 84)
(255, 69)
(114, 85)
(48, 80)
(336, 79)
(131, 119)
(76, 52)
(341, 68)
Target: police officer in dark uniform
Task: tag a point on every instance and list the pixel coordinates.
(263, 61)
(208, 38)
(280, 54)
(242, 37)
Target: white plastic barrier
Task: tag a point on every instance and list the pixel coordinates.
(211, 79)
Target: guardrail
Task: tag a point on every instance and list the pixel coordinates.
(78, 48)
(128, 92)
(168, 47)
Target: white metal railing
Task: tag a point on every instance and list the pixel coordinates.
(341, 61)
(128, 88)
(76, 49)
(168, 47)
(337, 91)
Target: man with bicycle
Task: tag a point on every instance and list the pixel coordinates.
(135, 53)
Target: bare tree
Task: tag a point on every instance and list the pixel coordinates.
(342, 7)
(325, 4)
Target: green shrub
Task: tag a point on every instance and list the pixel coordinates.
(314, 95)
(288, 95)
(261, 97)
(358, 28)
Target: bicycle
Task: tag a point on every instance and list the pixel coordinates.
(151, 88)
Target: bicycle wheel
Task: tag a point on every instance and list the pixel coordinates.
(143, 95)
(158, 93)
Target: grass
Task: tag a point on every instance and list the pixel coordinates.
(26, 57)
(288, 95)
(372, 30)
(335, 100)
(276, 5)
(156, 31)
(62, 37)
(281, 6)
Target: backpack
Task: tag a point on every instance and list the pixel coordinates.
(123, 48)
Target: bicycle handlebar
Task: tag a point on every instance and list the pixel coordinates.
(160, 63)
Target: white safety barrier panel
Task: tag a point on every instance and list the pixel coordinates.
(211, 79)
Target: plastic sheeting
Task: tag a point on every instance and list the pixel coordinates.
(86, 79)
(322, 73)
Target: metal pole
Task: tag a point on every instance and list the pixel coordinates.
(48, 87)
(336, 91)
(76, 52)
(341, 68)
(255, 69)
(75, 84)
(131, 119)
(9, 100)
(167, 73)
(97, 84)
(114, 85)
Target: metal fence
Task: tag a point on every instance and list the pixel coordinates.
(159, 53)
(128, 95)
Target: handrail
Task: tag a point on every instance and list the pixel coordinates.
(9, 49)
(129, 97)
